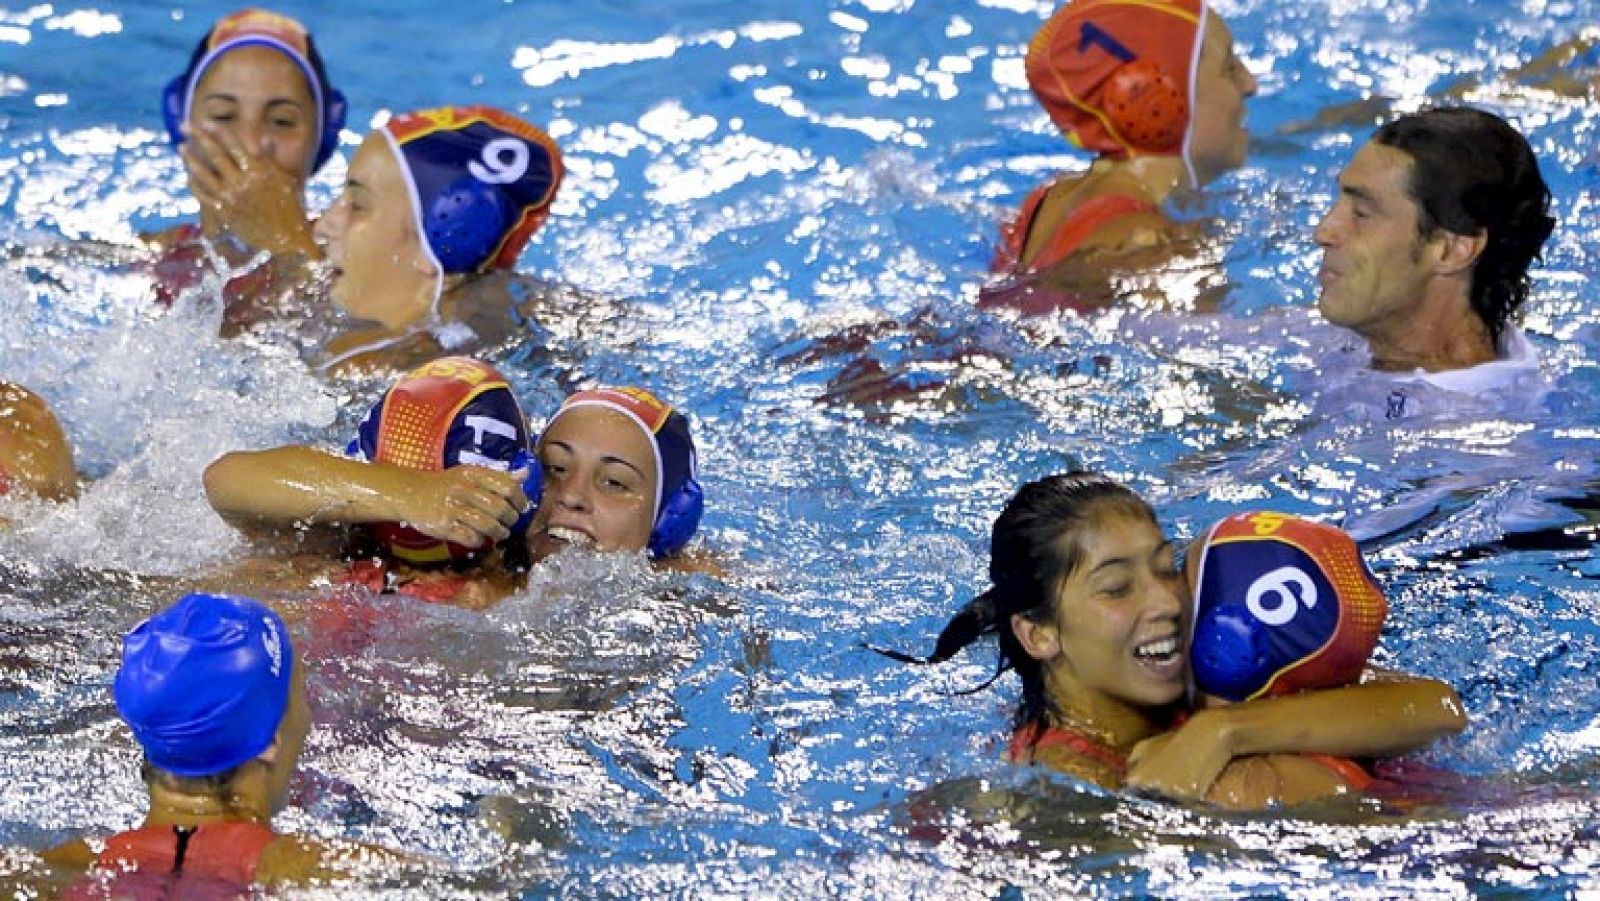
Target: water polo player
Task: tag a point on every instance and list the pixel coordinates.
(1155, 91)
(422, 241)
(436, 454)
(1090, 610)
(1281, 605)
(213, 692)
(253, 116)
(620, 474)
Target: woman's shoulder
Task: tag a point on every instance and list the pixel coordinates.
(74, 855)
(1102, 213)
(297, 859)
(1073, 762)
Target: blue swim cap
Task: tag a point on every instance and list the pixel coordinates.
(1281, 604)
(481, 182)
(205, 683)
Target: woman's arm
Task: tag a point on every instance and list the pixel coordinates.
(296, 486)
(1382, 717)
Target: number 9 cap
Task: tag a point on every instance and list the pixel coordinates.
(481, 182)
(1282, 604)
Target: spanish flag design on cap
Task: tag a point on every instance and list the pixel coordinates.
(481, 182)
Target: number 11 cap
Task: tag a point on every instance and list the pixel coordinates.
(1282, 604)
(481, 182)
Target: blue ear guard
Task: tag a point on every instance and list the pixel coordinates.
(333, 114)
(532, 486)
(464, 223)
(1230, 655)
(679, 518)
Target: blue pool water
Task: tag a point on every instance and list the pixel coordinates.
(746, 180)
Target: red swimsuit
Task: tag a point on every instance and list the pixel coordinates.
(1081, 223)
(217, 860)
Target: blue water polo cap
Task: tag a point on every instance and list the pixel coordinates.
(262, 28)
(481, 182)
(205, 683)
(1282, 604)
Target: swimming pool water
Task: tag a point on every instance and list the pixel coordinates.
(746, 180)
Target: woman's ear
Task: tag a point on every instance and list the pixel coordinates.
(270, 755)
(1040, 640)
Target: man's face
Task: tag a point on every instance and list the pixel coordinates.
(1375, 264)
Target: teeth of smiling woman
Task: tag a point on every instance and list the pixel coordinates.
(570, 536)
(1164, 648)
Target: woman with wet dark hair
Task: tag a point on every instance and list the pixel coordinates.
(1091, 611)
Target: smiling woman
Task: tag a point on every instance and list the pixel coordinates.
(620, 475)
(1092, 612)
(253, 116)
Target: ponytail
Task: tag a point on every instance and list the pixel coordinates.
(1036, 543)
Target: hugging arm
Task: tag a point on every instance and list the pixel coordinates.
(298, 487)
(1387, 715)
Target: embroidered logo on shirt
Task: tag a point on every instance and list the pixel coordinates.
(1397, 405)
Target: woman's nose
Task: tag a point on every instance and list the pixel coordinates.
(572, 493)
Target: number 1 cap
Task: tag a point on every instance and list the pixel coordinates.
(481, 181)
(1282, 604)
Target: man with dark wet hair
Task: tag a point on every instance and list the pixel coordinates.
(1427, 247)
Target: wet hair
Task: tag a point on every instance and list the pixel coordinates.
(1037, 542)
(1472, 171)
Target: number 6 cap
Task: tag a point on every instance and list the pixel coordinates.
(1117, 76)
(1282, 604)
(481, 181)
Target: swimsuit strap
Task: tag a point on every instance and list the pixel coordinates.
(1014, 234)
(1354, 774)
(1083, 221)
(1027, 741)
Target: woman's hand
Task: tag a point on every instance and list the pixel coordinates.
(464, 504)
(1182, 762)
(244, 193)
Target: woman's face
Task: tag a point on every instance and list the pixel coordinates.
(260, 97)
(599, 484)
(1116, 635)
(1219, 139)
(380, 271)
